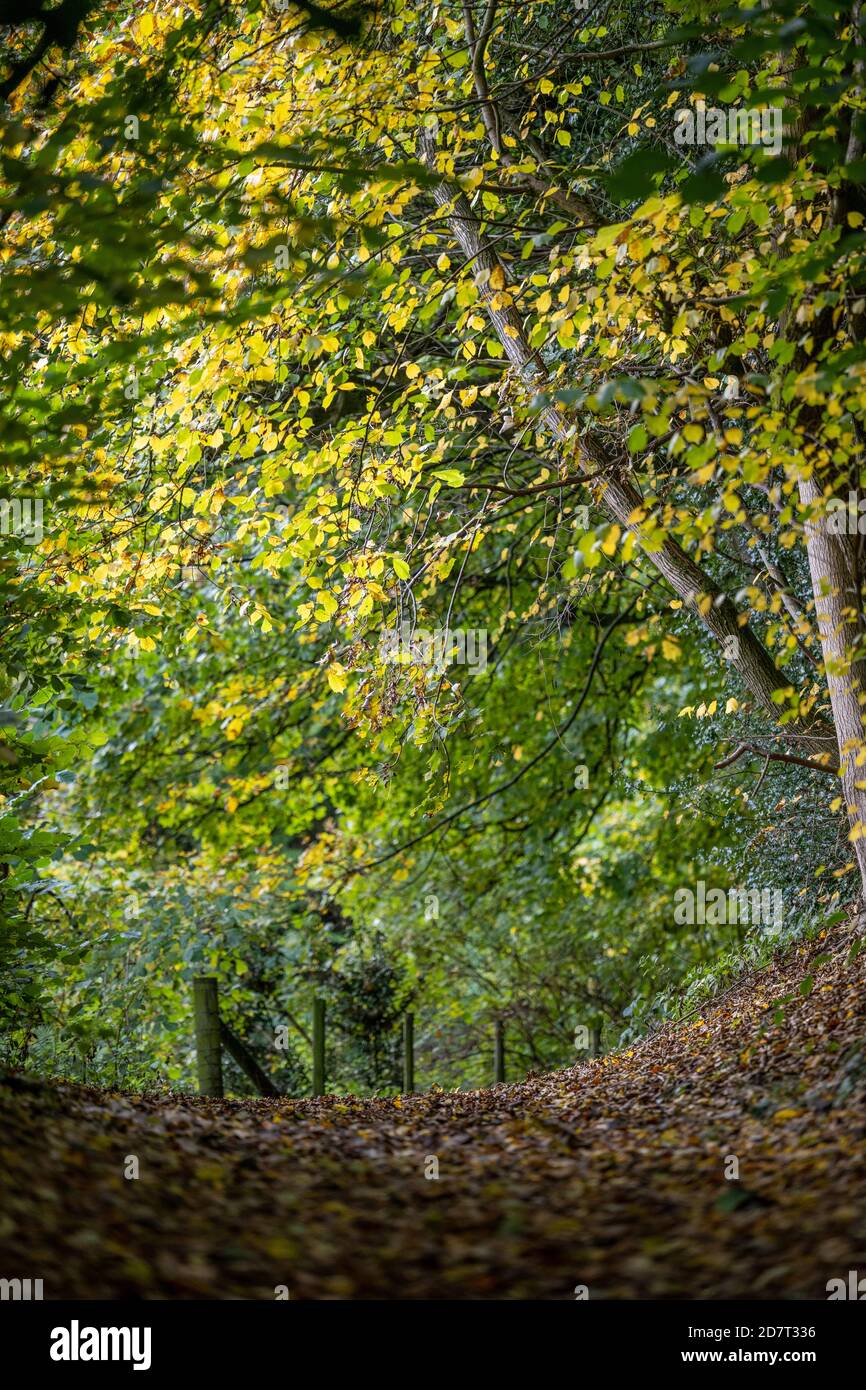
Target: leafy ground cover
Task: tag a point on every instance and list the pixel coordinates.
(615, 1176)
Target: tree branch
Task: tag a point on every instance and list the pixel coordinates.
(772, 756)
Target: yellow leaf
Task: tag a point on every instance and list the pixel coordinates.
(337, 677)
(327, 605)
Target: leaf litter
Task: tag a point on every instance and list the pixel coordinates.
(609, 1175)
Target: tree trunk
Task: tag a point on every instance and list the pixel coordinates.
(836, 585)
(613, 491)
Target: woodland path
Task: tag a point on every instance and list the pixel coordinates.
(609, 1175)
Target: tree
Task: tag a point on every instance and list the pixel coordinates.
(331, 356)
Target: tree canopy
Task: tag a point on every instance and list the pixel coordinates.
(433, 495)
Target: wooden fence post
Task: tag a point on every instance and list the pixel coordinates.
(408, 1054)
(318, 1047)
(207, 1035)
(499, 1051)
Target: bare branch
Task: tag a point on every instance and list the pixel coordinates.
(772, 756)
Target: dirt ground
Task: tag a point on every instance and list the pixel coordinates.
(617, 1177)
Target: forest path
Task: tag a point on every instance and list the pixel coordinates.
(609, 1175)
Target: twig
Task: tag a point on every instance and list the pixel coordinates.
(773, 757)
